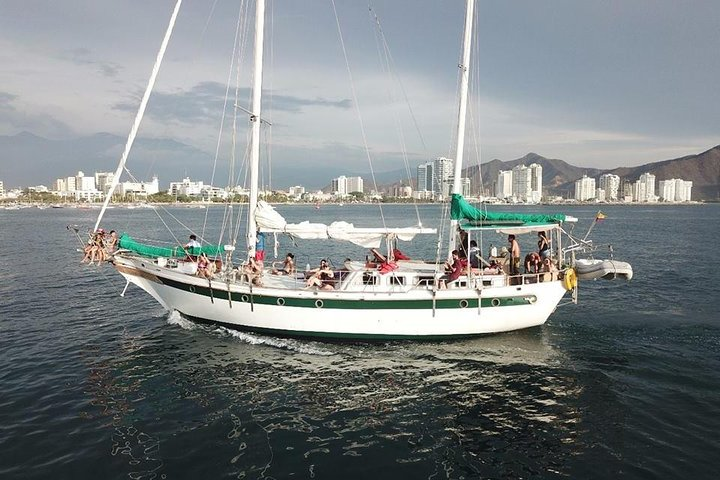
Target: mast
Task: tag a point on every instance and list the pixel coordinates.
(462, 113)
(139, 115)
(255, 125)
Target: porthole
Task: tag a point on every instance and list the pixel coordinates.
(319, 303)
(532, 299)
(192, 289)
(495, 302)
(244, 298)
(281, 301)
(463, 303)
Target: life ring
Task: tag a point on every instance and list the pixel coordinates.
(570, 279)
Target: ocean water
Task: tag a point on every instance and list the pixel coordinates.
(626, 384)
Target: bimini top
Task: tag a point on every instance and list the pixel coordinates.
(506, 222)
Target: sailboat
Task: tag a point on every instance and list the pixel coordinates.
(392, 299)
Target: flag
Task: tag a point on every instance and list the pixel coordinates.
(599, 217)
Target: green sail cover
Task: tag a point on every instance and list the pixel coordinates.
(128, 243)
(460, 209)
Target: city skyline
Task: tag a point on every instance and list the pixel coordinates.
(594, 83)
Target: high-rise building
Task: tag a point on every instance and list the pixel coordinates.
(644, 190)
(426, 177)
(83, 183)
(339, 186)
(503, 188)
(443, 169)
(2, 190)
(683, 190)
(521, 183)
(584, 188)
(536, 182)
(103, 180)
(611, 184)
(674, 190)
(355, 184)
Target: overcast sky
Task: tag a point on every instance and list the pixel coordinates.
(596, 83)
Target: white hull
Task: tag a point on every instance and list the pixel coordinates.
(588, 269)
(416, 313)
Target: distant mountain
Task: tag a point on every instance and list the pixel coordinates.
(559, 177)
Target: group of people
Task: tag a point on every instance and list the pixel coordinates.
(100, 246)
(535, 262)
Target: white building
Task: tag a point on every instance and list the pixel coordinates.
(84, 183)
(674, 190)
(443, 170)
(611, 184)
(503, 188)
(2, 190)
(584, 188)
(103, 180)
(521, 183)
(339, 186)
(355, 184)
(142, 189)
(296, 191)
(186, 187)
(644, 190)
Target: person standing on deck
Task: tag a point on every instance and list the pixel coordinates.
(260, 248)
(514, 255)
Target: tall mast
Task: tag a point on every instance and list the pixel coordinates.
(462, 113)
(255, 122)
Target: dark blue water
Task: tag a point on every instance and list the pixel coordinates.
(625, 384)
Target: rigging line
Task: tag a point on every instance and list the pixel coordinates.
(387, 64)
(140, 112)
(238, 29)
(357, 109)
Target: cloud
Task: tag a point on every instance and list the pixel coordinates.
(14, 120)
(83, 56)
(204, 102)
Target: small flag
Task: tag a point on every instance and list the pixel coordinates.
(599, 217)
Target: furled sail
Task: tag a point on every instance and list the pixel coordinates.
(460, 209)
(270, 221)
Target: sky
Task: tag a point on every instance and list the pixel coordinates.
(596, 83)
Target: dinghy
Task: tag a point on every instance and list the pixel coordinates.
(591, 269)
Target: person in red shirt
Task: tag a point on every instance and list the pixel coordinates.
(454, 270)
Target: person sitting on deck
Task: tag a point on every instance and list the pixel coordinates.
(205, 268)
(95, 250)
(192, 248)
(111, 242)
(321, 277)
(454, 270)
(252, 271)
(288, 266)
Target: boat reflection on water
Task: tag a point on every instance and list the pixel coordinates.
(456, 405)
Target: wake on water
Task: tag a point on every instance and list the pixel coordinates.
(175, 318)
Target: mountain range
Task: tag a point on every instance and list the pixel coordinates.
(27, 159)
(559, 177)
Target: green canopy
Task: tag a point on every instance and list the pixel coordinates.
(460, 209)
(128, 243)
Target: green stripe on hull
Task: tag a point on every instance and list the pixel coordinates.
(333, 303)
(338, 336)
